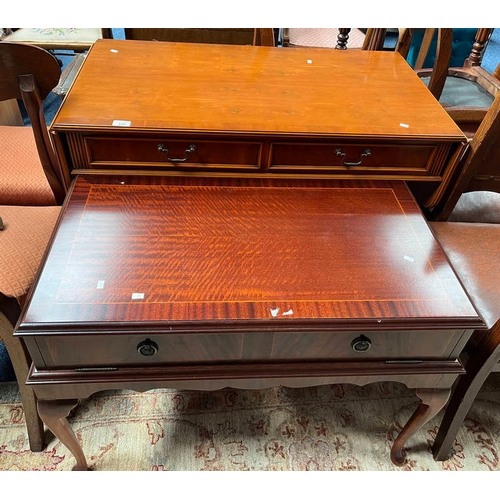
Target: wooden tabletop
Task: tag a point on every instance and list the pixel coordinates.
(246, 89)
(193, 251)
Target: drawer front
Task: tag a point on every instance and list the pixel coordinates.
(134, 350)
(164, 153)
(389, 345)
(87, 351)
(409, 160)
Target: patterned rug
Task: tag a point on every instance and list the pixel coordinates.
(329, 428)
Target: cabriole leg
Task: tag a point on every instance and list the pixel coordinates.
(54, 414)
(432, 401)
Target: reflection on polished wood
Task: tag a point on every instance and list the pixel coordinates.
(194, 249)
(236, 89)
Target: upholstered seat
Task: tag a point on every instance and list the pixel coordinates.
(23, 240)
(22, 180)
(477, 206)
(322, 37)
(31, 191)
(459, 92)
(59, 38)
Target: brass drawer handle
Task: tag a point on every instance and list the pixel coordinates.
(190, 149)
(361, 344)
(339, 152)
(147, 347)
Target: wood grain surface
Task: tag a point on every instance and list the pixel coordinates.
(244, 89)
(193, 251)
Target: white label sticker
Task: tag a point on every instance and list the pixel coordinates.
(137, 296)
(121, 123)
(405, 125)
(114, 51)
(100, 284)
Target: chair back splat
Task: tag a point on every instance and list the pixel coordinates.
(478, 173)
(30, 73)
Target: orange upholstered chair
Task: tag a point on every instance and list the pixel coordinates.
(31, 192)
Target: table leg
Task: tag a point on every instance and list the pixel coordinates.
(432, 401)
(53, 414)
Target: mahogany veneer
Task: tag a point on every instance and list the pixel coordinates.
(204, 283)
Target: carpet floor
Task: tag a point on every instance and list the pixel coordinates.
(327, 428)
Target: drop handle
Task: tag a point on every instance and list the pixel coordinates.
(364, 154)
(190, 149)
(361, 344)
(147, 348)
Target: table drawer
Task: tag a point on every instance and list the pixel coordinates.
(87, 351)
(360, 158)
(382, 345)
(165, 153)
(135, 350)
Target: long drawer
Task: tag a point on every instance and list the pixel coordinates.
(87, 351)
(168, 153)
(369, 158)
(252, 154)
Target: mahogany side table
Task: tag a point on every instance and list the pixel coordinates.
(202, 283)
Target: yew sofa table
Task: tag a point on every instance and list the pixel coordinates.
(149, 108)
(204, 283)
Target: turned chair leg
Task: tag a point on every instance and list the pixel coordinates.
(479, 366)
(21, 363)
(432, 401)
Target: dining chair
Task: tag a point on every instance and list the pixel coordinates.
(473, 195)
(467, 226)
(31, 194)
(68, 42)
(466, 92)
(474, 251)
(55, 39)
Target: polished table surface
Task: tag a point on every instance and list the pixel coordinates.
(208, 251)
(238, 89)
(153, 108)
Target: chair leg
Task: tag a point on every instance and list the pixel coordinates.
(21, 363)
(479, 366)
